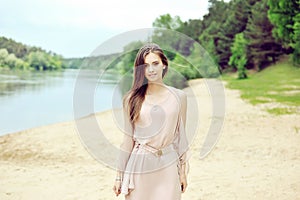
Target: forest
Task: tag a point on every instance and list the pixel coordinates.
(17, 56)
(242, 34)
(238, 35)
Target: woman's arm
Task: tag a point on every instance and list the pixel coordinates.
(183, 143)
(183, 138)
(128, 141)
(125, 152)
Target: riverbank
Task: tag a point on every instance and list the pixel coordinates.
(256, 157)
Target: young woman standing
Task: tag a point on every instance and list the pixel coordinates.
(152, 161)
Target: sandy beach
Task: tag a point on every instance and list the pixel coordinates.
(256, 157)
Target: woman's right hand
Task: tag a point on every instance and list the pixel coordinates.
(117, 187)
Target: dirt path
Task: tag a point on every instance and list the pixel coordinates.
(256, 157)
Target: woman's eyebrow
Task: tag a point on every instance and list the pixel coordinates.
(155, 61)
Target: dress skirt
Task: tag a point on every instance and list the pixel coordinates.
(162, 184)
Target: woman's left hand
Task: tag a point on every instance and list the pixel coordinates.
(117, 188)
(183, 183)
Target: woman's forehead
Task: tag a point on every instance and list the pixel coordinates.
(152, 57)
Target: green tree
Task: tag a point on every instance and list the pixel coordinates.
(10, 61)
(126, 62)
(36, 60)
(19, 49)
(235, 23)
(211, 36)
(184, 67)
(168, 22)
(19, 54)
(40, 60)
(283, 15)
(167, 38)
(203, 63)
(55, 62)
(208, 40)
(262, 49)
(238, 58)
(296, 38)
(3, 55)
(192, 28)
(217, 11)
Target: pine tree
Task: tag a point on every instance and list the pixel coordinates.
(296, 38)
(192, 28)
(235, 23)
(210, 36)
(262, 48)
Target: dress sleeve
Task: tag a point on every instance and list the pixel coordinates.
(126, 145)
(181, 142)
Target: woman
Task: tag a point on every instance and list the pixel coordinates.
(152, 162)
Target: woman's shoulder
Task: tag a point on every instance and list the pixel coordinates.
(179, 93)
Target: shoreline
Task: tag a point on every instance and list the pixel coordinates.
(52, 123)
(257, 156)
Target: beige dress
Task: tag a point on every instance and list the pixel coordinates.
(151, 154)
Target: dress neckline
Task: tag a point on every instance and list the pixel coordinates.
(162, 101)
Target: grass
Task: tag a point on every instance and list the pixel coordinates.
(281, 111)
(278, 83)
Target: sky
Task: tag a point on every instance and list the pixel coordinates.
(74, 28)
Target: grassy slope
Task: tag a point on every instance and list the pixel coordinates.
(277, 83)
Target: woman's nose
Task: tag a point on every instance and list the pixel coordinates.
(150, 69)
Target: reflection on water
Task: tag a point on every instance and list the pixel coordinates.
(15, 82)
(31, 99)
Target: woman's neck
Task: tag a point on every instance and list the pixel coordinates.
(155, 88)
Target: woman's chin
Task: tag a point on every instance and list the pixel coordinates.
(154, 80)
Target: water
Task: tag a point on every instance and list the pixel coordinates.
(34, 99)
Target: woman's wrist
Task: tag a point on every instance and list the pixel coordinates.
(183, 163)
(183, 170)
(118, 179)
(119, 176)
(182, 175)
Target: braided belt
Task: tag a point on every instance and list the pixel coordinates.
(157, 152)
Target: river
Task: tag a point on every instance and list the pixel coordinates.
(31, 99)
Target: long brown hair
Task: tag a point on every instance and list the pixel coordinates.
(135, 97)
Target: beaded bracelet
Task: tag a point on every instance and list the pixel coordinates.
(118, 179)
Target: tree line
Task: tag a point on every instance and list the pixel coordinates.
(242, 34)
(15, 55)
(237, 35)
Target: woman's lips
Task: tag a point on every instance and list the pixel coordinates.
(151, 75)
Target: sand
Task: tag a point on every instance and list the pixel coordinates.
(256, 157)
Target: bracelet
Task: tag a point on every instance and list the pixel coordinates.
(118, 179)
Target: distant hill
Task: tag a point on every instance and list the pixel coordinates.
(19, 49)
(16, 55)
(12, 52)
(97, 62)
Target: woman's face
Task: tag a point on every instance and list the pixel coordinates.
(154, 68)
